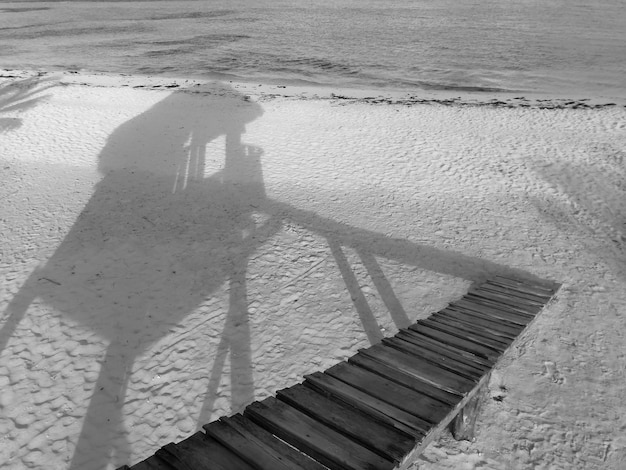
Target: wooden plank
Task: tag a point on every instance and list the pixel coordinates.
(511, 330)
(358, 426)
(473, 332)
(503, 300)
(476, 349)
(200, 452)
(402, 378)
(499, 313)
(458, 331)
(381, 410)
(484, 324)
(333, 449)
(420, 368)
(541, 293)
(457, 354)
(515, 292)
(417, 404)
(246, 449)
(497, 305)
(151, 463)
(445, 362)
(287, 454)
(524, 295)
(508, 296)
(546, 286)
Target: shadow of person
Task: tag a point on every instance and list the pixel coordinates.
(157, 236)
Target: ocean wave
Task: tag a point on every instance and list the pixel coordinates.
(192, 15)
(22, 9)
(83, 31)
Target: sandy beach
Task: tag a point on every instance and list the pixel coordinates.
(174, 249)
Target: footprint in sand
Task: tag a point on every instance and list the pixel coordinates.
(550, 370)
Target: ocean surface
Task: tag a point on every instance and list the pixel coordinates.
(575, 47)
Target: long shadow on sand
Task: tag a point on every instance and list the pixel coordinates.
(158, 237)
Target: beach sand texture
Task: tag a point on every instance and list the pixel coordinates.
(174, 249)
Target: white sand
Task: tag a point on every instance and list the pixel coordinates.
(169, 257)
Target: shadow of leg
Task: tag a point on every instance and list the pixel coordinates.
(103, 437)
(242, 381)
(388, 296)
(16, 309)
(236, 341)
(370, 325)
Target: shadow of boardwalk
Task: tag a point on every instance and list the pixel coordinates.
(160, 235)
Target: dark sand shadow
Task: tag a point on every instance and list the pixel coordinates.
(152, 204)
(159, 236)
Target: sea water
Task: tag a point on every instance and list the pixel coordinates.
(572, 47)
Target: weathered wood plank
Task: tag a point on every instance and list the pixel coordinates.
(381, 410)
(544, 294)
(245, 448)
(496, 305)
(358, 426)
(333, 449)
(509, 330)
(473, 332)
(522, 296)
(412, 402)
(503, 300)
(546, 286)
(508, 296)
(200, 452)
(445, 338)
(503, 314)
(485, 325)
(287, 454)
(402, 378)
(514, 292)
(439, 360)
(151, 463)
(420, 368)
(453, 352)
(458, 331)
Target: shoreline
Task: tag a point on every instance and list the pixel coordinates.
(266, 92)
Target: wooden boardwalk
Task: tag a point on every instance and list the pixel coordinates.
(383, 406)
